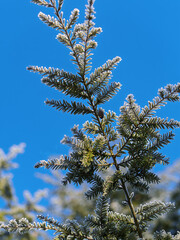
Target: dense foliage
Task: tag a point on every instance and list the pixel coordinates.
(111, 152)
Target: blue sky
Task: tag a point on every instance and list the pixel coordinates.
(145, 34)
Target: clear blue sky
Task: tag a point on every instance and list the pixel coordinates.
(146, 34)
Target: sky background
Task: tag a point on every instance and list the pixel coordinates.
(145, 34)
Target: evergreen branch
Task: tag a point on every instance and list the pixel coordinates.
(150, 177)
(73, 18)
(54, 164)
(73, 107)
(107, 93)
(159, 158)
(169, 93)
(44, 71)
(97, 187)
(70, 229)
(74, 227)
(74, 89)
(92, 44)
(79, 49)
(51, 221)
(155, 157)
(79, 32)
(42, 3)
(140, 185)
(126, 133)
(106, 68)
(91, 221)
(152, 210)
(60, 3)
(63, 75)
(50, 21)
(161, 123)
(129, 118)
(77, 172)
(130, 112)
(99, 146)
(91, 128)
(23, 225)
(112, 135)
(125, 161)
(100, 82)
(110, 117)
(76, 143)
(88, 156)
(120, 150)
(94, 31)
(139, 175)
(102, 208)
(157, 102)
(78, 133)
(89, 12)
(133, 108)
(126, 121)
(63, 38)
(160, 141)
(89, 17)
(68, 83)
(112, 182)
(162, 235)
(135, 177)
(79, 143)
(120, 218)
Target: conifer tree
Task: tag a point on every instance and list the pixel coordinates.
(128, 143)
(69, 202)
(10, 206)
